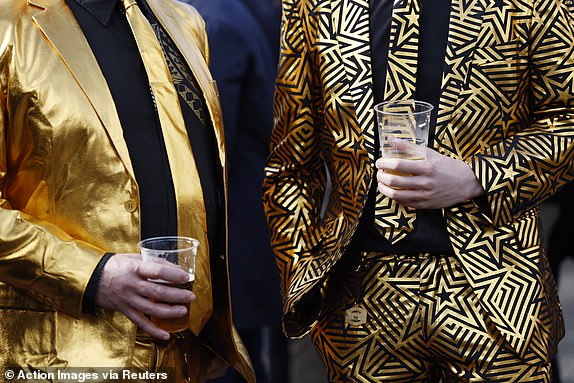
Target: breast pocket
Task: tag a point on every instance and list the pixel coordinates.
(496, 54)
(499, 69)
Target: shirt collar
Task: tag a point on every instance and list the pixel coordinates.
(101, 10)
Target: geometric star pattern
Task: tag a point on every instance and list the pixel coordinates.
(393, 220)
(412, 333)
(506, 108)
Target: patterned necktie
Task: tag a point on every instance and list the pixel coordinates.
(393, 220)
(186, 183)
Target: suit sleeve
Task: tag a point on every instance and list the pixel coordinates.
(295, 179)
(526, 168)
(35, 256)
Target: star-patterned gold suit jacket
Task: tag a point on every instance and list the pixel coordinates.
(506, 108)
(68, 193)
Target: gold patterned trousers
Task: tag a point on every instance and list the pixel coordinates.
(423, 324)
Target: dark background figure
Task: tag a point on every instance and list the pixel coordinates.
(244, 65)
(559, 246)
(268, 14)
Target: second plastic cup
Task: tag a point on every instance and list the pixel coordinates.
(180, 251)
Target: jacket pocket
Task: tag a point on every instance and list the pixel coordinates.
(498, 70)
(13, 298)
(527, 229)
(325, 229)
(507, 51)
(29, 338)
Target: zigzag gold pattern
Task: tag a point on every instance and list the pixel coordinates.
(506, 108)
(420, 310)
(393, 220)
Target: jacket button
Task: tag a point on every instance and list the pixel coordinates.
(131, 205)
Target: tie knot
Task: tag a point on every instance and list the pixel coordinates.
(128, 3)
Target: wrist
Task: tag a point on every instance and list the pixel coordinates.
(89, 301)
(473, 187)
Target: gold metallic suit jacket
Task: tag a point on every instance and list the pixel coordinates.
(506, 108)
(68, 192)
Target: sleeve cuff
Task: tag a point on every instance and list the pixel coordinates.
(89, 300)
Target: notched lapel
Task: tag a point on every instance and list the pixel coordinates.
(58, 24)
(464, 29)
(191, 53)
(350, 23)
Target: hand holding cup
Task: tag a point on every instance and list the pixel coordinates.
(403, 122)
(180, 252)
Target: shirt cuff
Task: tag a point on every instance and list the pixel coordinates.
(89, 300)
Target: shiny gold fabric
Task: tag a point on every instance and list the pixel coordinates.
(506, 108)
(68, 192)
(187, 185)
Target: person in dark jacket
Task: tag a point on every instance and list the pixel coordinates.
(243, 64)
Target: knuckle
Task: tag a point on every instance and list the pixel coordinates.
(381, 188)
(426, 196)
(429, 166)
(139, 268)
(147, 308)
(392, 181)
(156, 290)
(426, 185)
(392, 165)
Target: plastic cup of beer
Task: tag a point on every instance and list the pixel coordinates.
(180, 251)
(406, 120)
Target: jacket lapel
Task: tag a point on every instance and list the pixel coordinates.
(57, 23)
(350, 20)
(492, 271)
(464, 28)
(164, 11)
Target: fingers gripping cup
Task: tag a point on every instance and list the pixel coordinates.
(179, 251)
(407, 121)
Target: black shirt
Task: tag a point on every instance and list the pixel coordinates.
(108, 32)
(430, 233)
